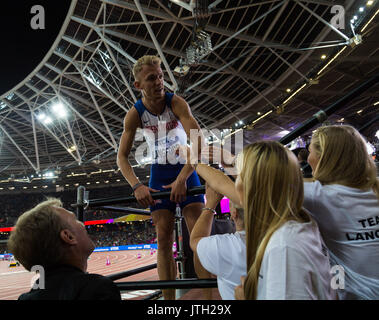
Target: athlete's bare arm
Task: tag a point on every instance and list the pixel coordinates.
(131, 123)
(183, 112)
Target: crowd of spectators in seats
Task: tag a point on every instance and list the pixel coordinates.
(3, 248)
(129, 233)
(13, 205)
(113, 234)
(120, 234)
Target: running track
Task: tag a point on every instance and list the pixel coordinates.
(16, 280)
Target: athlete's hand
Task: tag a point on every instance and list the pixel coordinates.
(178, 190)
(144, 197)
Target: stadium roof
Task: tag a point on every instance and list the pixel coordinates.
(265, 66)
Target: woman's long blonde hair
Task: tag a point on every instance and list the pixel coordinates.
(272, 195)
(343, 158)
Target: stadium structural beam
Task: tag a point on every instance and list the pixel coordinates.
(322, 115)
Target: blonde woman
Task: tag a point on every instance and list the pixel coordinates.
(285, 257)
(344, 200)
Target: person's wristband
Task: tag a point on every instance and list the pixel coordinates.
(136, 186)
(209, 209)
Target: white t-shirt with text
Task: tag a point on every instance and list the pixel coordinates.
(348, 219)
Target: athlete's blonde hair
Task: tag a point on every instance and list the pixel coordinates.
(273, 194)
(145, 60)
(343, 158)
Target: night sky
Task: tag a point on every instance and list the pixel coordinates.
(21, 47)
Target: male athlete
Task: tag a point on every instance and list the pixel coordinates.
(156, 111)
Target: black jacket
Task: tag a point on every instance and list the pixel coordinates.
(70, 283)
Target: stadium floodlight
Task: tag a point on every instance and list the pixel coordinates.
(41, 116)
(59, 110)
(49, 174)
(47, 120)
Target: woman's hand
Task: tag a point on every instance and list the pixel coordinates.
(239, 293)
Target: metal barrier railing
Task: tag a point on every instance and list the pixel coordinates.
(102, 202)
(169, 284)
(125, 274)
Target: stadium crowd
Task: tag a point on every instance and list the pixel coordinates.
(116, 234)
(13, 205)
(119, 234)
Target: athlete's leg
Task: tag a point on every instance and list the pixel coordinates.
(164, 226)
(191, 213)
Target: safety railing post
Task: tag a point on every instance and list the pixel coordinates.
(80, 203)
(179, 241)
